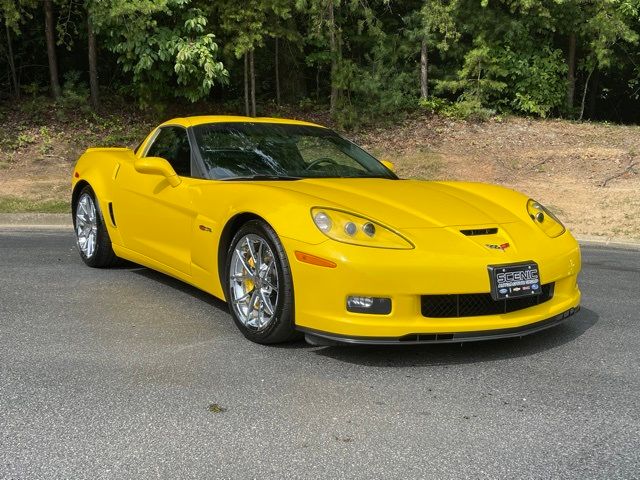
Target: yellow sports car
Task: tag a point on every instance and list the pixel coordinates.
(303, 232)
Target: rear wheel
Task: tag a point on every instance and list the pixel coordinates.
(92, 236)
(259, 285)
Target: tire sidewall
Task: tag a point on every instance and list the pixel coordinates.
(281, 327)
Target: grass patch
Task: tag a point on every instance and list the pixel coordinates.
(26, 205)
(422, 164)
(215, 408)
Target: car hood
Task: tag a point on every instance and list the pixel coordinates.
(404, 203)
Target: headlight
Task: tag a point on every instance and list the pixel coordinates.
(546, 220)
(350, 228)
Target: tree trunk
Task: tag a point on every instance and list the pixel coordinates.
(51, 49)
(253, 84)
(277, 62)
(593, 95)
(12, 65)
(93, 64)
(424, 64)
(571, 72)
(333, 45)
(584, 94)
(246, 84)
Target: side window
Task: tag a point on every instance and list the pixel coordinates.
(172, 144)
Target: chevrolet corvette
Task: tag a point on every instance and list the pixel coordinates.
(302, 232)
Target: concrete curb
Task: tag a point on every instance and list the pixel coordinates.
(62, 221)
(610, 242)
(35, 220)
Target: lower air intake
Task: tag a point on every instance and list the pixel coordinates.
(479, 304)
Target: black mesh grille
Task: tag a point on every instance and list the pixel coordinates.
(478, 304)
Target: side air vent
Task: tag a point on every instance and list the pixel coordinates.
(479, 231)
(113, 218)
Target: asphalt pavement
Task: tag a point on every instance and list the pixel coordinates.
(127, 373)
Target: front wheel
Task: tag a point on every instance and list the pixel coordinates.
(92, 236)
(259, 285)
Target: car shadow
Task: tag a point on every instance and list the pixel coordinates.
(463, 353)
(203, 297)
(178, 285)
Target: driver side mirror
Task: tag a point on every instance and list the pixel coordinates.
(157, 166)
(389, 165)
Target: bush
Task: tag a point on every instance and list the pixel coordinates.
(465, 109)
(75, 93)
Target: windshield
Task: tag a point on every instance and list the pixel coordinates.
(280, 151)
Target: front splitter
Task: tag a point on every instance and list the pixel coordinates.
(318, 338)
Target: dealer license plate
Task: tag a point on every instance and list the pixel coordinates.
(514, 280)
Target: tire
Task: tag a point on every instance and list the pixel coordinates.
(92, 237)
(259, 286)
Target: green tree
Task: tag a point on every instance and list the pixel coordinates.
(479, 81)
(593, 29)
(513, 63)
(164, 44)
(11, 14)
(611, 23)
(247, 29)
(324, 33)
(432, 27)
(92, 56)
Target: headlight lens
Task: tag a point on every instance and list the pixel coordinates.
(546, 220)
(356, 230)
(323, 222)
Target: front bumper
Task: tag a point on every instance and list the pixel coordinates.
(405, 276)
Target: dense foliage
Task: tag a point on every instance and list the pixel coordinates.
(364, 59)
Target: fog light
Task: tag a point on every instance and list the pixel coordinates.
(360, 302)
(374, 305)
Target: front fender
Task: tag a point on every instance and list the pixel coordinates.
(99, 167)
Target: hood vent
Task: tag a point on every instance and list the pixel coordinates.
(479, 231)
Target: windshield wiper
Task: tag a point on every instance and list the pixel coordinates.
(262, 177)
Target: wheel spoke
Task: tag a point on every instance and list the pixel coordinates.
(253, 257)
(90, 244)
(242, 298)
(267, 283)
(243, 262)
(240, 277)
(261, 320)
(269, 267)
(266, 302)
(252, 302)
(259, 264)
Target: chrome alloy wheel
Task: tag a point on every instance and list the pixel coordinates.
(86, 225)
(253, 282)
